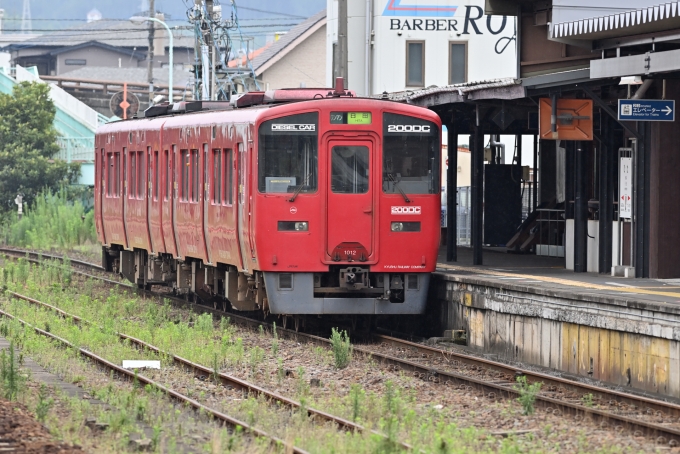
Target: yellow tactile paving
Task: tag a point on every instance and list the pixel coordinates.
(566, 282)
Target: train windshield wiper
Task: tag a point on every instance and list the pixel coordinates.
(299, 188)
(396, 185)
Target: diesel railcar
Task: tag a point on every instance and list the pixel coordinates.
(303, 201)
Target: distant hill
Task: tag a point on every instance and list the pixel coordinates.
(46, 15)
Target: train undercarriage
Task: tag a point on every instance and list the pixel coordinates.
(343, 290)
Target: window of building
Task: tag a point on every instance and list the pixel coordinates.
(457, 63)
(415, 63)
(75, 61)
(228, 159)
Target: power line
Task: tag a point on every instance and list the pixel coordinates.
(270, 12)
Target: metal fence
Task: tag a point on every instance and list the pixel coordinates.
(76, 149)
(528, 199)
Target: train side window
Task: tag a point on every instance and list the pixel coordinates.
(140, 175)
(168, 167)
(117, 185)
(194, 176)
(132, 175)
(217, 176)
(185, 175)
(228, 177)
(109, 173)
(155, 175)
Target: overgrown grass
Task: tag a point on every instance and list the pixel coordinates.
(394, 410)
(53, 221)
(342, 349)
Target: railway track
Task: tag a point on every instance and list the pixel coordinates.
(494, 379)
(225, 379)
(108, 365)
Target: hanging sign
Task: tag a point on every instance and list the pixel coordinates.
(647, 109)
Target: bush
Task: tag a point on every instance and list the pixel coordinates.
(342, 349)
(527, 394)
(52, 221)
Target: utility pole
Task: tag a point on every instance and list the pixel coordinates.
(340, 69)
(149, 54)
(26, 25)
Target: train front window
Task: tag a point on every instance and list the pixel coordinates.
(411, 153)
(288, 154)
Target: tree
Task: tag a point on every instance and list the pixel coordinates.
(28, 144)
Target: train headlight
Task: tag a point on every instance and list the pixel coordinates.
(293, 226)
(405, 226)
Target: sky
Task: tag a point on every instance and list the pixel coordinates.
(256, 17)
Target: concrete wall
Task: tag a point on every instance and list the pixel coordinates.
(392, 31)
(95, 56)
(629, 345)
(304, 64)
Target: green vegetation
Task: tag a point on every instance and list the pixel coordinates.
(44, 404)
(394, 406)
(52, 221)
(342, 349)
(10, 379)
(527, 394)
(27, 146)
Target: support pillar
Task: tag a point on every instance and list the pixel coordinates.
(606, 203)
(535, 175)
(580, 211)
(641, 211)
(477, 139)
(451, 192)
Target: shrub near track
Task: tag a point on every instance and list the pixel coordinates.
(394, 410)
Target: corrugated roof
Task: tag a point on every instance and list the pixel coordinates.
(112, 32)
(96, 73)
(287, 39)
(461, 89)
(653, 18)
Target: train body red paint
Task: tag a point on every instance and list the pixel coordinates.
(320, 206)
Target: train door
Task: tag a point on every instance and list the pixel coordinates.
(176, 161)
(206, 202)
(167, 203)
(154, 196)
(124, 195)
(100, 179)
(350, 199)
(243, 210)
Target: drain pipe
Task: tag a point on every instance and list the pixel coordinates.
(496, 144)
(367, 52)
(643, 89)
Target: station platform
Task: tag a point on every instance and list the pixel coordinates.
(547, 274)
(530, 309)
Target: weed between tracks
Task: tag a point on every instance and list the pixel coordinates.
(402, 407)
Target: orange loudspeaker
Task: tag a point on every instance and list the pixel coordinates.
(574, 119)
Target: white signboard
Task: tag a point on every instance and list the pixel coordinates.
(626, 188)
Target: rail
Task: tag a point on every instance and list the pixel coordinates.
(492, 389)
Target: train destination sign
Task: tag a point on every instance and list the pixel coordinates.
(350, 118)
(646, 109)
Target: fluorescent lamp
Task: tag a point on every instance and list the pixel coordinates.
(631, 80)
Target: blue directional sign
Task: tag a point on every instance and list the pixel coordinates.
(646, 110)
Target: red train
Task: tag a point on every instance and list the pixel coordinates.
(308, 201)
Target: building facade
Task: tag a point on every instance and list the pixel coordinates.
(395, 45)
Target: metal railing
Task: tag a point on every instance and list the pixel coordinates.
(76, 149)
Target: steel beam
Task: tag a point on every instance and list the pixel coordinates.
(477, 139)
(451, 191)
(580, 211)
